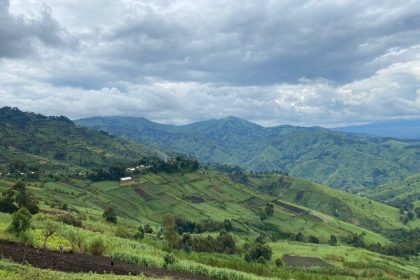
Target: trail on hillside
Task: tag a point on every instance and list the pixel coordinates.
(69, 262)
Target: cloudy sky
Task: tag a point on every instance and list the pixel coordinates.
(327, 63)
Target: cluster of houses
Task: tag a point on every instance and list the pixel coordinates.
(133, 169)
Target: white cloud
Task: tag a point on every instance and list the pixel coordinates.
(326, 62)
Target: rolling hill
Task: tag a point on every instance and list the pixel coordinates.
(342, 160)
(399, 129)
(57, 143)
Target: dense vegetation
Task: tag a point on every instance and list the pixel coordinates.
(338, 159)
(178, 214)
(32, 143)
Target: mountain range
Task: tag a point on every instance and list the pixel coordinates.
(399, 129)
(344, 160)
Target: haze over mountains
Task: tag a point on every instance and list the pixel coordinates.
(343, 160)
(400, 129)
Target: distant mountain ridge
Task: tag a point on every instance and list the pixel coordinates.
(400, 129)
(342, 160)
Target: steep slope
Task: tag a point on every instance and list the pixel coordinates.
(400, 129)
(197, 197)
(342, 160)
(57, 141)
(347, 207)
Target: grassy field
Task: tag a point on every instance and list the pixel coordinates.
(213, 195)
(353, 209)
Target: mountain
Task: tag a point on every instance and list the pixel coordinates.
(56, 142)
(399, 129)
(343, 160)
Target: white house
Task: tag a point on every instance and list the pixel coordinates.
(124, 179)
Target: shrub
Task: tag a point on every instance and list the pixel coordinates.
(76, 240)
(278, 262)
(333, 240)
(257, 251)
(97, 247)
(122, 232)
(169, 259)
(110, 215)
(21, 221)
(69, 219)
(299, 236)
(148, 229)
(50, 228)
(313, 239)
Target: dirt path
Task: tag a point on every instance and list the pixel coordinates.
(68, 262)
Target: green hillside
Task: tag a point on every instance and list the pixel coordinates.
(57, 143)
(333, 158)
(404, 194)
(212, 197)
(354, 209)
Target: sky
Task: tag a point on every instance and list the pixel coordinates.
(328, 63)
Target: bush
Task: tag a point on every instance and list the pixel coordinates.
(97, 247)
(122, 232)
(313, 239)
(110, 215)
(278, 262)
(169, 259)
(258, 251)
(148, 229)
(21, 221)
(76, 240)
(69, 219)
(333, 240)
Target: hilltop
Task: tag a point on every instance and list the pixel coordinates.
(56, 143)
(342, 160)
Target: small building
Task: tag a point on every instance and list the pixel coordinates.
(124, 179)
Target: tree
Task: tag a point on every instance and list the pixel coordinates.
(299, 236)
(21, 221)
(227, 225)
(24, 198)
(7, 204)
(110, 215)
(333, 240)
(169, 231)
(313, 239)
(225, 243)
(148, 229)
(269, 210)
(410, 215)
(259, 252)
(50, 229)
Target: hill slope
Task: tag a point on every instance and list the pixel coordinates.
(201, 196)
(400, 129)
(57, 142)
(338, 159)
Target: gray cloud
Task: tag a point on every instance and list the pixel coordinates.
(19, 35)
(300, 62)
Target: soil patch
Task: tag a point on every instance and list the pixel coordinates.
(297, 210)
(142, 193)
(304, 261)
(194, 199)
(69, 262)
